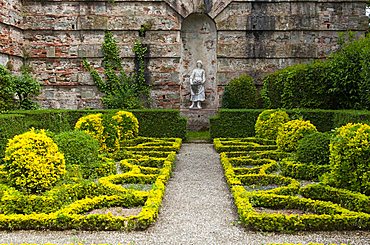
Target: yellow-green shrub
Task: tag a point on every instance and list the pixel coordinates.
(110, 130)
(291, 132)
(93, 125)
(127, 125)
(350, 158)
(33, 161)
(269, 122)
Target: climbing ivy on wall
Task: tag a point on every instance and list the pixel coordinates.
(121, 90)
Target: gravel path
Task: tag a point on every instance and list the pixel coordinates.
(197, 209)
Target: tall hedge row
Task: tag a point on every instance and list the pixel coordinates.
(241, 122)
(153, 123)
(340, 82)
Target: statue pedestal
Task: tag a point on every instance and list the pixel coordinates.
(198, 119)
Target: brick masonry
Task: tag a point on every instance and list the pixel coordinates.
(255, 37)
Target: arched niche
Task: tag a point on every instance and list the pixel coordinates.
(199, 40)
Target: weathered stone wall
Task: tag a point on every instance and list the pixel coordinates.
(11, 34)
(60, 34)
(254, 37)
(260, 37)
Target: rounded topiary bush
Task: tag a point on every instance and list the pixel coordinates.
(127, 125)
(350, 158)
(314, 148)
(78, 147)
(269, 122)
(110, 130)
(93, 125)
(33, 162)
(240, 92)
(291, 132)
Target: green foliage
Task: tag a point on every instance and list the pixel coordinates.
(341, 82)
(264, 198)
(66, 206)
(291, 132)
(241, 123)
(33, 162)
(120, 90)
(240, 93)
(269, 122)
(314, 148)
(349, 75)
(350, 158)
(78, 147)
(110, 130)
(348, 199)
(25, 86)
(298, 86)
(234, 123)
(6, 89)
(304, 171)
(153, 123)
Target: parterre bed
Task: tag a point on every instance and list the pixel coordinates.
(267, 191)
(141, 162)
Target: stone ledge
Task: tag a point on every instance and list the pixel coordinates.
(198, 119)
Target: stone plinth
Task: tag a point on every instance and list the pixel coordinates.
(198, 120)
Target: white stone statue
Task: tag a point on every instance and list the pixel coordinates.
(197, 90)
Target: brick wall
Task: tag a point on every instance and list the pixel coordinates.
(256, 37)
(11, 35)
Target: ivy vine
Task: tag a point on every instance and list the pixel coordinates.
(121, 90)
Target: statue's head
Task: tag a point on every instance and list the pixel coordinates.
(199, 64)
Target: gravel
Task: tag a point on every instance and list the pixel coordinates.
(197, 209)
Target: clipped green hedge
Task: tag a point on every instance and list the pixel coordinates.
(351, 200)
(153, 123)
(236, 123)
(264, 198)
(240, 123)
(10, 126)
(65, 207)
(303, 171)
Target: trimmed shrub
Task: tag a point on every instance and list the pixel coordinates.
(291, 132)
(350, 158)
(127, 125)
(78, 147)
(314, 148)
(269, 122)
(33, 161)
(93, 125)
(340, 82)
(110, 130)
(234, 123)
(298, 86)
(349, 74)
(240, 92)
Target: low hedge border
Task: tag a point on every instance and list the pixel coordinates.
(326, 215)
(165, 144)
(109, 193)
(249, 144)
(240, 123)
(303, 171)
(291, 186)
(331, 216)
(348, 199)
